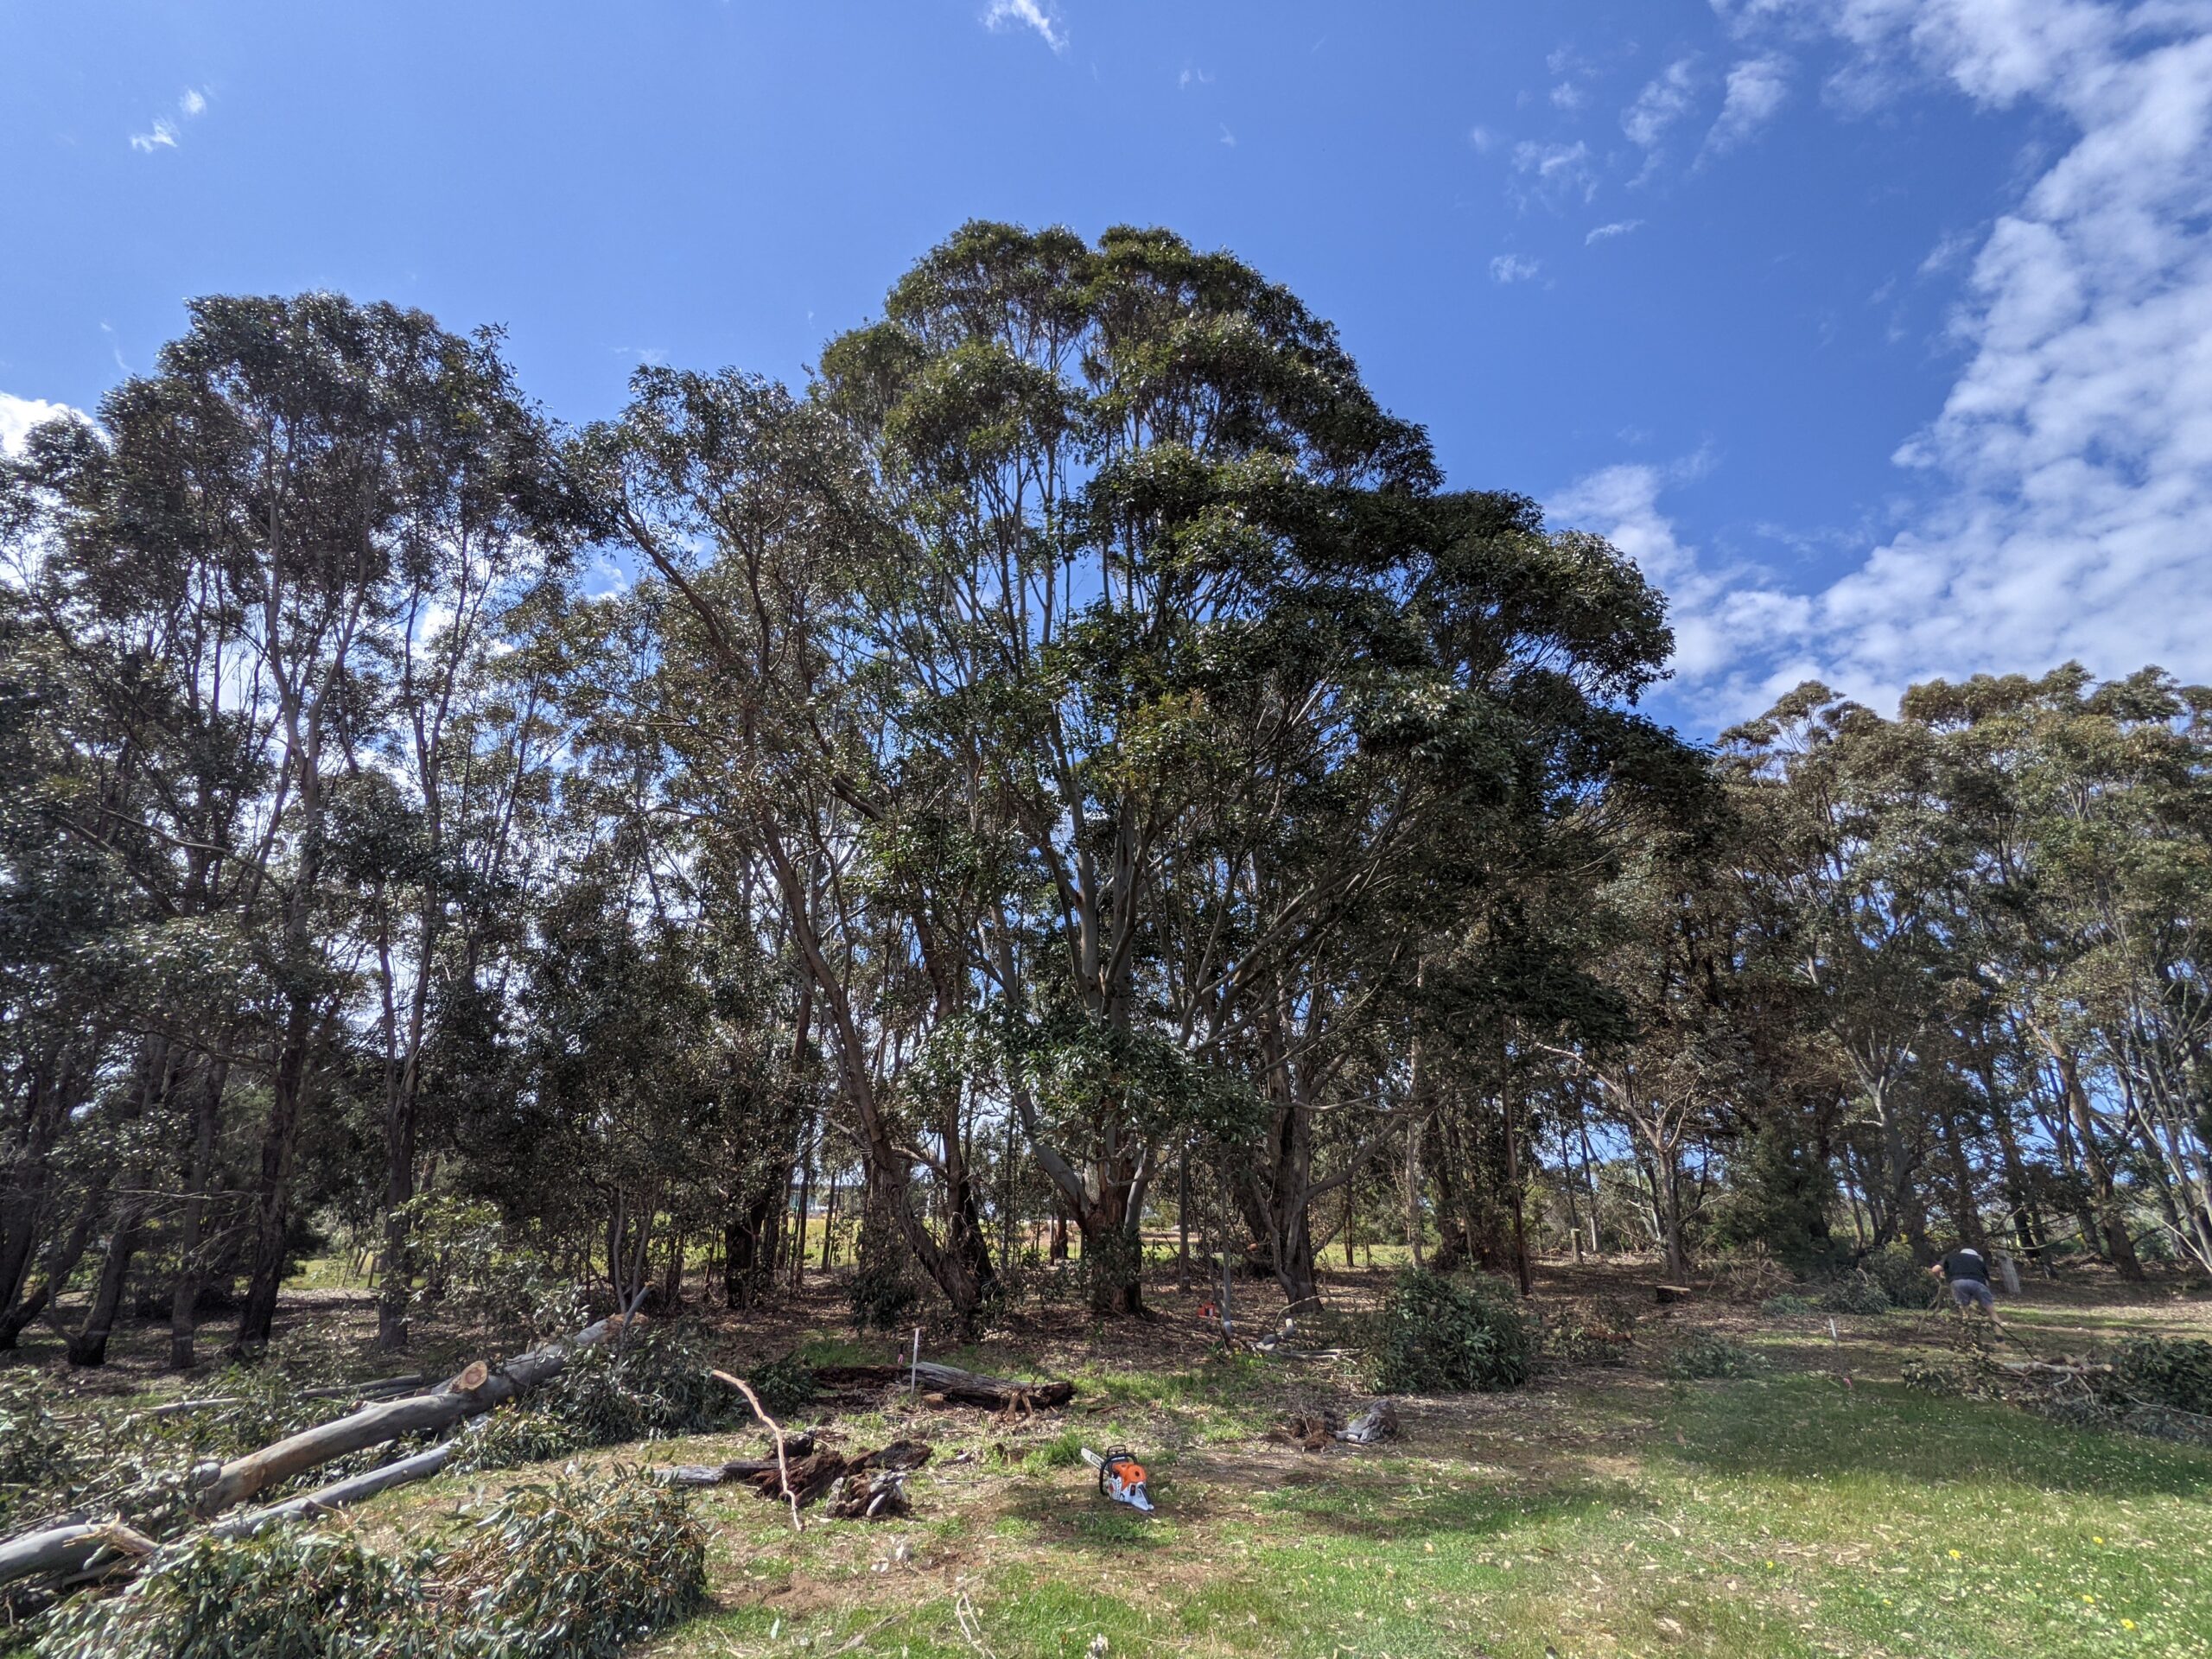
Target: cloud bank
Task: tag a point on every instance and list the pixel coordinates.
(2070, 510)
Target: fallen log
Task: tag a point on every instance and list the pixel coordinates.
(957, 1387)
(67, 1550)
(225, 1485)
(720, 1474)
(71, 1549)
(356, 1489)
(813, 1474)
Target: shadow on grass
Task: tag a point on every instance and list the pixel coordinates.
(1802, 1429)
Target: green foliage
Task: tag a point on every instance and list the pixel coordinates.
(1787, 1304)
(570, 1569)
(36, 1455)
(474, 1270)
(1441, 1335)
(573, 1567)
(785, 1386)
(1588, 1336)
(654, 1383)
(1063, 1451)
(1941, 1378)
(287, 1593)
(2169, 1371)
(886, 1286)
(1706, 1356)
(1779, 1195)
(1902, 1280)
(1854, 1292)
(527, 1432)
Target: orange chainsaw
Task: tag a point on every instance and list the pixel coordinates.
(1121, 1477)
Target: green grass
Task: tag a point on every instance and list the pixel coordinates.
(1791, 1515)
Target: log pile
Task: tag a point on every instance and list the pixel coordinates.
(73, 1550)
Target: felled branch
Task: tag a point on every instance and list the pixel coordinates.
(957, 1386)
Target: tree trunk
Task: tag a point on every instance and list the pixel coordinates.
(2111, 1209)
(88, 1345)
(191, 1223)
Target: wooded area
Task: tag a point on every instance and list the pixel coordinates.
(1071, 768)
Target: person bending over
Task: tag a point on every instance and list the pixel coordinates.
(1967, 1273)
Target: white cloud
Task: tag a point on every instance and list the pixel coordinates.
(2068, 511)
(1556, 172)
(1714, 609)
(1227, 137)
(1660, 103)
(1482, 139)
(19, 415)
(1027, 14)
(164, 133)
(1758, 87)
(1190, 78)
(1568, 97)
(1512, 268)
(1607, 232)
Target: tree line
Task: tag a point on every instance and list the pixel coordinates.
(1071, 762)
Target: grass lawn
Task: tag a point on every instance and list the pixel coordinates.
(1819, 1508)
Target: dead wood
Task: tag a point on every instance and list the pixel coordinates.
(956, 1386)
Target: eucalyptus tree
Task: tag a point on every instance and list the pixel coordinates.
(2090, 804)
(756, 512)
(1176, 610)
(301, 513)
(1854, 846)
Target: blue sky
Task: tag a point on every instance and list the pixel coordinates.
(1879, 331)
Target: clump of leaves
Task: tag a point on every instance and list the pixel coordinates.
(36, 1461)
(785, 1386)
(1938, 1378)
(1856, 1291)
(1438, 1335)
(1583, 1336)
(886, 1286)
(575, 1567)
(2175, 1373)
(571, 1568)
(1788, 1305)
(1702, 1358)
(523, 1433)
(287, 1593)
(654, 1383)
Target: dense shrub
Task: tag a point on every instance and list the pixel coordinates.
(1788, 1305)
(1706, 1356)
(1855, 1292)
(1439, 1335)
(1902, 1278)
(2172, 1372)
(785, 1386)
(886, 1286)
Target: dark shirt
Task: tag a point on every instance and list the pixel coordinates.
(1963, 1263)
